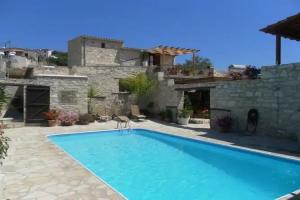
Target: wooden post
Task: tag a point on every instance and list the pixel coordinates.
(278, 49)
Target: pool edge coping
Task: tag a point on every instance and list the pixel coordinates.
(190, 138)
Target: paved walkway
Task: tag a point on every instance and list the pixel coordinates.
(36, 169)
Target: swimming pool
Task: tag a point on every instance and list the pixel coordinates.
(144, 164)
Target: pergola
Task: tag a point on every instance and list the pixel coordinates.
(173, 51)
(287, 28)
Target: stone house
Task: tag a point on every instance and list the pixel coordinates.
(93, 51)
(106, 61)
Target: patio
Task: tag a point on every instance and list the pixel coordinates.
(37, 169)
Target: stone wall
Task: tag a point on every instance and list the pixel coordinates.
(276, 97)
(129, 57)
(75, 52)
(67, 92)
(100, 56)
(58, 70)
(105, 80)
(164, 96)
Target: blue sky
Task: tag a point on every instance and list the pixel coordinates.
(226, 31)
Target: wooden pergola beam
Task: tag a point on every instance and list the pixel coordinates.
(174, 51)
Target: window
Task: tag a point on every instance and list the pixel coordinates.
(102, 45)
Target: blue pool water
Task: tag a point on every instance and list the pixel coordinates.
(144, 164)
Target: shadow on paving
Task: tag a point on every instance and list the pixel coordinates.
(266, 143)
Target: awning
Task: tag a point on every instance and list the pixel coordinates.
(287, 28)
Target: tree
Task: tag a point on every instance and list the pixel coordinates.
(200, 63)
(139, 84)
(58, 58)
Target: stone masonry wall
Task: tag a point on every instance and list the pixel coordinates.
(75, 52)
(164, 96)
(100, 56)
(276, 96)
(59, 70)
(105, 79)
(129, 57)
(67, 92)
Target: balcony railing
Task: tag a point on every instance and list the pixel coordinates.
(177, 71)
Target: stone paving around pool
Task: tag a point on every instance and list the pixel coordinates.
(38, 170)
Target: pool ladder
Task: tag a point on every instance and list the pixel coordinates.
(126, 127)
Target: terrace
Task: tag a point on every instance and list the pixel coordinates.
(164, 58)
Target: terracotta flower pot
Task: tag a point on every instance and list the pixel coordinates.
(52, 123)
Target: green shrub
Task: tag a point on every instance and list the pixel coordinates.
(140, 84)
(58, 58)
(184, 113)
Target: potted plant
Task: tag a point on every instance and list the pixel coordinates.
(225, 124)
(184, 116)
(68, 118)
(85, 119)
(52, 116)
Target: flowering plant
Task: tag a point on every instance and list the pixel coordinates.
(236, 75)
(68, 118)
(205, 110)
(52, 114)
